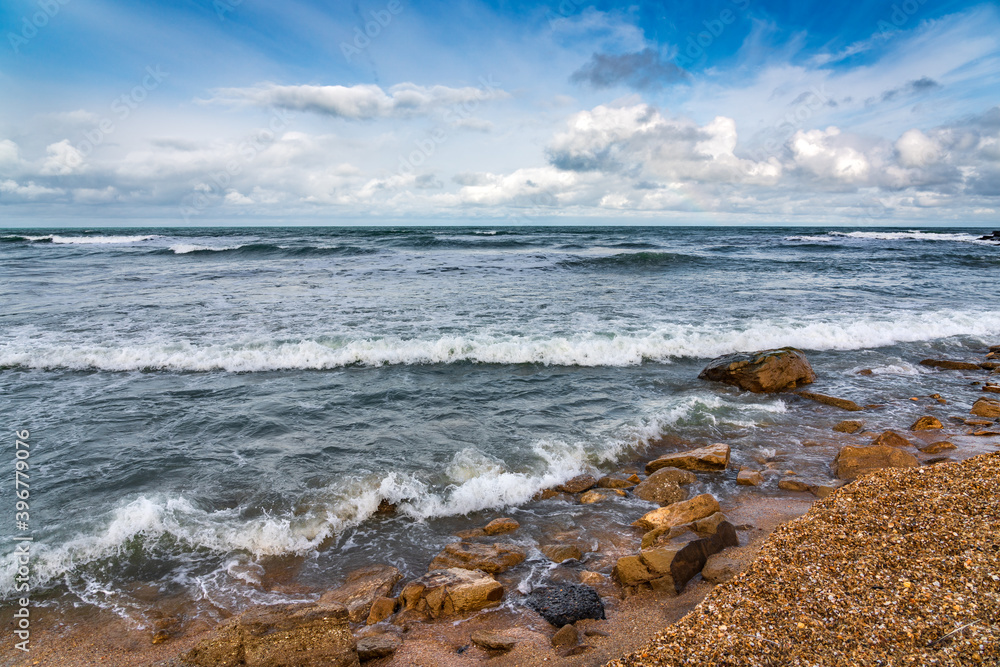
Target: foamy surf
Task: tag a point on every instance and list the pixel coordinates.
(910, 235)
(102, 240)
(589, 349)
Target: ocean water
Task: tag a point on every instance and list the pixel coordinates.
(216, 414)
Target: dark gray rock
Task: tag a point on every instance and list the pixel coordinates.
(566, 604)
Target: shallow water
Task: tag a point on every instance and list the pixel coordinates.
(216, 414)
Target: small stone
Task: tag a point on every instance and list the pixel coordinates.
(493, 641)
(891, 439)
(557, 553)
(662, 487)
(501, 526)
(385, 508)
(378, 646)
(822, 490)
(600, 495)
(545, 494)
(926, 423)
(937, 447)
(578, 484)
(866, 371)
(748, 477)
(590, 578)
(793, 485)
(566, 603)
(567, 635)
(849, 426)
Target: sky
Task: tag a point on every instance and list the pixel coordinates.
(505, 112)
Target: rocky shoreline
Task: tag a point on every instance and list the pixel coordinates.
(467, 608)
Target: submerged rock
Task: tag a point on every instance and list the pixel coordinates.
(615, 482)
(937, 447)
(491, 558)
(926, 423)
(762, 372)
(712, 458)
(557, 553)
(852, 462)
(452, 591)
(947, 364)
(600, 495)
(841, 403)
(892, 439)
(361, 588)
(747, 477)
(793, 485)
(306, 635)
(849, 426)
(566, 604)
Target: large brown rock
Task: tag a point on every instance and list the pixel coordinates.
(578, 484)
(452, 591)
(892, 439)
(492, 558)
(362, 588)
(747, 477)
(852, 462)
(600, 495)
(841, 403)
(493, 641)
(986, 407)
(377, 646)
(557, 553)
(661, 487)
(501, 526)
(947, 364)
(304, 635)
(937, 447)
(679, 513)
(712, 458)
(675, 565)
(761, 372)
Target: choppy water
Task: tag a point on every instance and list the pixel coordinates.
(218, 413)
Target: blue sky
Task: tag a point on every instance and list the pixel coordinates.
(730, 111)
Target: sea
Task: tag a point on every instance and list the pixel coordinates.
(216, 414)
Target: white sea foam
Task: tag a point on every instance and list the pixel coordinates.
(666, 342)
(185, 248)
(101, 239)
(912, 235)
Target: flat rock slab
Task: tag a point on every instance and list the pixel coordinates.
(306, 635)
(712, 458)
(852, 462)
(947, 364)
(493, 641)
(566, 604)
(491, 558)
(841, 403)
(680, 513)
(761, 372)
